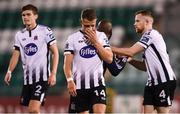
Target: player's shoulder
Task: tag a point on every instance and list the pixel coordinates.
(151, 33)
(44, 28)
(101, 34)
(20, 32)
(156, 33)
(75, 34)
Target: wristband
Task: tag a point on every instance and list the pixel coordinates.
(69, 79)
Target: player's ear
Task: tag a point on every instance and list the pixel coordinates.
(36, 16)
(81, 22)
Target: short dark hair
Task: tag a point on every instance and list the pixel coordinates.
(103, 26)
(30, 7)
(106, 27)
(89, 14)
(144, 13)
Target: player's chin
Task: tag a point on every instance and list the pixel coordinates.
(138, 31)
(27, 24)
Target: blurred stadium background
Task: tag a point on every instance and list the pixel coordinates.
(124, 91)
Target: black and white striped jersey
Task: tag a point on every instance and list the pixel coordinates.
(156, 58)
(34, 49)
(87, 66)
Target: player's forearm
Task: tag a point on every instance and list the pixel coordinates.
(138, 64)
(55, 58)
(55, 61)
(105, 54)
(13, 61)
(67, 69)
(67, 72)
(122, 51)
(12, 64)
(68, 59)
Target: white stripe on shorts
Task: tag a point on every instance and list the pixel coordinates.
(42, 97)
(169, 101)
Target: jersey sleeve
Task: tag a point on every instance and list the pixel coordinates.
(117, 65)
(16, 43)
(69, 48)
(145, 40)
(105, 41)
(50, 38)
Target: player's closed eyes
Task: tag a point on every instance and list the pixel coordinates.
(28, 14)
(88, 25)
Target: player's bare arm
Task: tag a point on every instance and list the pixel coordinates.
(105, 54)
(12, 65)
(55, 60)
(140, 65)
(68, 59)
(135, 49)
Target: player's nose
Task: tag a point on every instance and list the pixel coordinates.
(90, 28)
(134, 24)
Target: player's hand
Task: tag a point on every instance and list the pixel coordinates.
(52, 79)
(129, 59)
(7, 78)
(91, 35)
(72, 88)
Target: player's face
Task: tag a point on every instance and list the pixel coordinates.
(29, 18)
(86, 24)
(140, 23)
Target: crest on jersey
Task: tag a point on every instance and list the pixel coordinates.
(30, 49)
(87, 51)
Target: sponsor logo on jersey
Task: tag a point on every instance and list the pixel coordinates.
(87, 51)
(145, 39)
(30, 49)
(106, 40)
(51, 36)
(163, 100)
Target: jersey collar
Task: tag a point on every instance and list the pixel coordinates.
(32, 28)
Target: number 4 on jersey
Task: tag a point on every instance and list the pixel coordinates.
(162, 94)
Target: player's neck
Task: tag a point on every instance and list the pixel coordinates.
(31, 27)
(148, 28)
